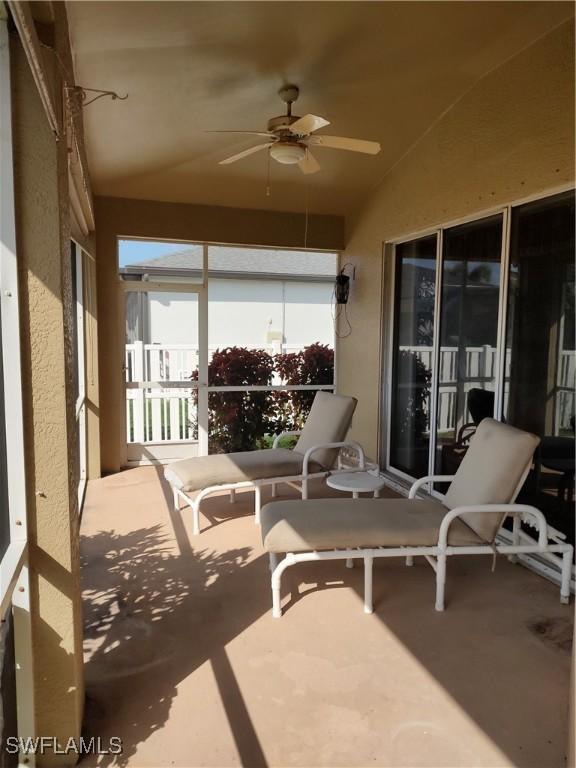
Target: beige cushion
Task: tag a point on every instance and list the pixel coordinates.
(223, 468)
(490, 472)
(301, 526)
(328, 422)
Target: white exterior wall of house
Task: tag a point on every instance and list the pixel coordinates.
(248, 313)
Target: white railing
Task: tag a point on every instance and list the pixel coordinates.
(480, 371)
(564, 395)
(169, 413)
(160, 414)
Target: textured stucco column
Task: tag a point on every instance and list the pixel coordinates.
(45, 300)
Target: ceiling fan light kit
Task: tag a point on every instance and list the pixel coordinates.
(288, 153)
(289, 136)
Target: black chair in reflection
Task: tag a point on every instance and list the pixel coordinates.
(480, 406)
(556, 454)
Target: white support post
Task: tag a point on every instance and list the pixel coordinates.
(203, 399)
(154, 372)
(257, 503)
(176, 500)
(232, 496)
(138, 397)
(273, 491)
(566, 574)
(368, 602)
(273, 561)
(440, 581)
(173, 422)
(12, 394)
(25, 710)
(410, 560)
(349, 562)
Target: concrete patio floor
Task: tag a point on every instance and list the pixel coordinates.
(185, 663)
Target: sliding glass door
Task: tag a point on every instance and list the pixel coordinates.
(469, 300)
(483, 325)
(540, 350)
(415, 289)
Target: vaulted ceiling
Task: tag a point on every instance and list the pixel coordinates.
(377, 70)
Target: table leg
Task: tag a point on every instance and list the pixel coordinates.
(376, 494)
(349, 561)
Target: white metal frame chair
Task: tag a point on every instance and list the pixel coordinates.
(326, 409)
(548, 543)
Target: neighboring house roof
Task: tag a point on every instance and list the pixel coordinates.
(241, 262)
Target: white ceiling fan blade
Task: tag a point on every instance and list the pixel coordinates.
(340, 142)
(308, 124)
(246, 152)
(309, 164)
(246, 133)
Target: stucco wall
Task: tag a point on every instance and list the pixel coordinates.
(511, 136)
(43, 248)
(175, 221)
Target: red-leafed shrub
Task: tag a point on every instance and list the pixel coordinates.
(238, 420)
(313, 365)
(243, 421)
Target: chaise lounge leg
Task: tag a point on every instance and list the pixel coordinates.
(273, 491)
(368, 605)
(195, 518)
(349, 562)
(566, 573)
(410, 560)
(176, 500)
(276, 580)
(257, 503)
(232, 496)
(276, 597)
(273, 561)
(440, 581)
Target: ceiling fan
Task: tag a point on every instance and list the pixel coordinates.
(290, 138)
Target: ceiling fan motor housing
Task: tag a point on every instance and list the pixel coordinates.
(281, 123)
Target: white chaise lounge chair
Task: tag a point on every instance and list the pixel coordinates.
(312, 457)
(465, 522)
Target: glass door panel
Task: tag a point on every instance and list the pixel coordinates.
(162, 370)
(413, 348)
(540, 370)
(468, 335)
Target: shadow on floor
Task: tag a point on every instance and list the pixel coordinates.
(154, 615)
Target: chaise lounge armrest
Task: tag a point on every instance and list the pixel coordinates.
(428, 479)
(344, 444)
(508, 509)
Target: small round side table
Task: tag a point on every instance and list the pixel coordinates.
(356, 483)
